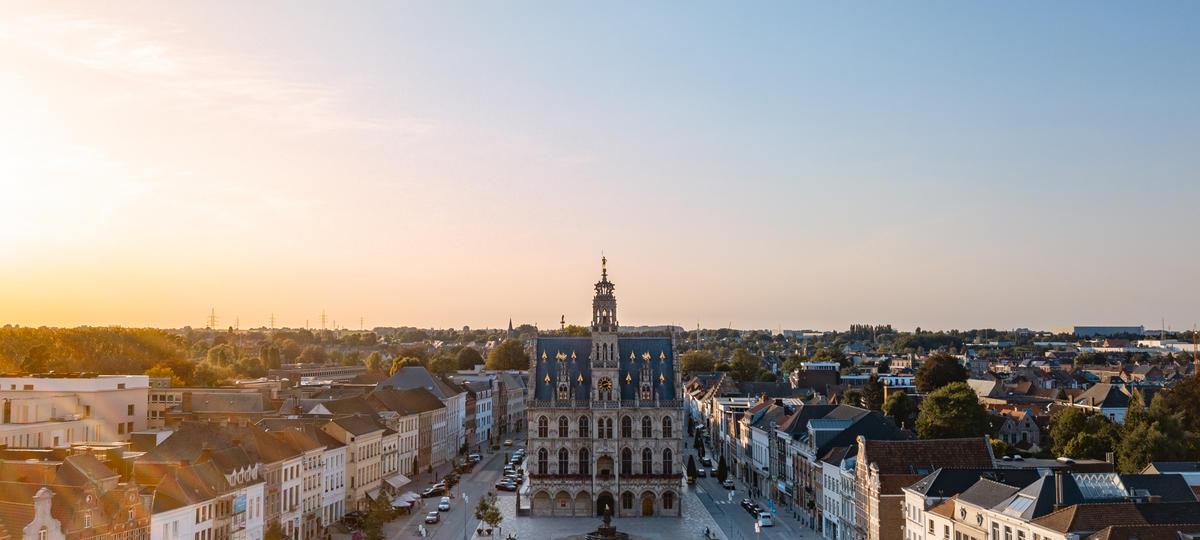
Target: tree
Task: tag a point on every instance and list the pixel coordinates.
(939, 370)
(510, 354)
(577, 331)
(1001, 448)
(745, 365)
(872, 394)
(313, 354)
(488, 512)
(1076, 433)
(697, 361)
(691, 467)
(852, 397)
(952, 411)
(162, 370)
(443, 363)
(1090, 358)
(468, 358)
(375, 362)
(378, 513)
(398, 363)
(767, 376)
(722, 469)
(901, 408)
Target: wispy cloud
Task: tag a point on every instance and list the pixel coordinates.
(220, 84)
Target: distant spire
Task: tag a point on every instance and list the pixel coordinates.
(603, 267)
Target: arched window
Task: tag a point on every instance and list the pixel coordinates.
(666, 434)
(627, 500)
(608, 430)
(543, 427)
(647, 461)
(626, 461)
(646, 427)
(626, 427)
(564, 458)
(562, 426)
(668, 499)
(585, 463)
(543, 463)
(666, 466)
(583, 427)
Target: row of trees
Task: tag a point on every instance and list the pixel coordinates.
(1167, 430)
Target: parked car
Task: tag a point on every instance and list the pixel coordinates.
(765, 519)
(507, 442)
(505, 485)
(475, 458)
(432, 517)
(728, 483)
(749, 506)
(444, 504)
(433, 492)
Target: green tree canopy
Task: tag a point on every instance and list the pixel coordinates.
(509, 354)
(872, 394)
(468, 358)
(697, 361)
(443, 363)
(901, 408)
(745, 366)
(938, 370)
(375, 362)
(952, 411)
(1080, 434)
(163, 370)
(313, 354)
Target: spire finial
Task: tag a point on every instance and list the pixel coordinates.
(603, 265)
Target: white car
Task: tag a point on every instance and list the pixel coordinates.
(765, 520)
(444, 504)
(728, 483)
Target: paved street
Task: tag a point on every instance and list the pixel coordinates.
(734, 520)
(706, 505)
(452, 526)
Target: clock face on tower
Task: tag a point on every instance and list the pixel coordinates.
(606, 384)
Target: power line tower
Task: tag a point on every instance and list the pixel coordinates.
(212, 319)
(360, 324)
(272, 321)
(322, 319)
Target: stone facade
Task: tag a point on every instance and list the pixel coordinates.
(605, 421)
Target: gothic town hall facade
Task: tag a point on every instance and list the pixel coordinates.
(606, 422)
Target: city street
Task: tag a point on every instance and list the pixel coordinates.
(707, 504)
(460, 521)
(735, 521)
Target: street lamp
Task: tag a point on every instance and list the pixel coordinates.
(466, 508)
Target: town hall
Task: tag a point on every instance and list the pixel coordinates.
(606, 422)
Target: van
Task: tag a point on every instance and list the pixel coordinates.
(765, 520)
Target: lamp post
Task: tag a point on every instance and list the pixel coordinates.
(466, 516)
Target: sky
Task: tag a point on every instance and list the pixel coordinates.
(767, 165)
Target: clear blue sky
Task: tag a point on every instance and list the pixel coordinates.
(770, 164)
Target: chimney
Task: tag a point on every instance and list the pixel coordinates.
(1058, 489)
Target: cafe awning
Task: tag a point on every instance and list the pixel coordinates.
(397, 481)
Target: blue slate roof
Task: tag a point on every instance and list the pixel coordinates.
(578, 350)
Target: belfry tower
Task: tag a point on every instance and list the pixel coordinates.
(605, 380)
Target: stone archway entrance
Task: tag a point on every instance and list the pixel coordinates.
(606, 502)
(647, 504)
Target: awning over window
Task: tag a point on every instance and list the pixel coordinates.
(397, 481)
